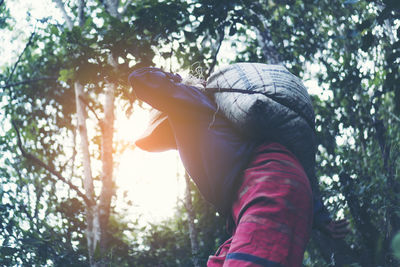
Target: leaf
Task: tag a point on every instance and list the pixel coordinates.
(396, 246)
(7, 251)
(54, 30)
(367, 41)
(32, 241)
(65, 75)
(232, 30)
(97, 253)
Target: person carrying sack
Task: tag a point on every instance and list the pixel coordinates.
(257, 182)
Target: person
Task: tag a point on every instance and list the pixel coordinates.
(258, 184)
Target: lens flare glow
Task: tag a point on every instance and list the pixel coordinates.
(151, 181)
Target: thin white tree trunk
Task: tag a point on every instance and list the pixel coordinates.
(193, 234)
(264, 38)
(267, 46)
(67, 18)
(108, 164)
(97, 216)
(107, 131)
(92, 220)
(112, 7)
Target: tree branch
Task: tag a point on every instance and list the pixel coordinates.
(221, 39)
(81, 13)
(111, 7)
(84, 101)
(103, 3)
(126, 6)
(20, 56)
(7, 85)
(361, 217)
(24, 207)
(68, 20)
(394, 116)
(380, 135)
(193, 234)
(264, 37)
(392, 184)
(73, 155)
(38, 162)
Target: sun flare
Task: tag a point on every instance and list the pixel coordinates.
(153, 181)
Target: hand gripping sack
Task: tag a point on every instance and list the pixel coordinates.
(267, 102)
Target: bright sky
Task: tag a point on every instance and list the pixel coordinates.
(150, 179)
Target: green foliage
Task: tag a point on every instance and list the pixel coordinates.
(396, 246)
(351, 47)
(168, 243)
(4, 15)
(66, 75)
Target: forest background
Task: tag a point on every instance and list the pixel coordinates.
(63, 88)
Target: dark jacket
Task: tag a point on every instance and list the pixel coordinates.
(213, 153)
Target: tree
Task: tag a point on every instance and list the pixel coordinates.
(193, 233)
(83, 67)
(337, 37)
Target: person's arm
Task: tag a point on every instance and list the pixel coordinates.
(321, 214)
(163, 91)
(337, 229)
(324, 223)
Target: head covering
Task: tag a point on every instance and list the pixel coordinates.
(158, 136)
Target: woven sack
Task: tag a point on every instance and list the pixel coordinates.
(267, 102)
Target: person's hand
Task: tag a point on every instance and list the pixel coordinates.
(337, 229)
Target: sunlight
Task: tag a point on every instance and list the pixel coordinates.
(150, 180)
(26, 14)
(151, 183)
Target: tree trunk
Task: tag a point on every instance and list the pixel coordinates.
(268, 49)
(107, 191)
(97, 216)
(92, 221)
(192, 227)
(264, 37)
(112, 7)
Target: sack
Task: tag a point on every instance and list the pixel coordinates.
(267, 102)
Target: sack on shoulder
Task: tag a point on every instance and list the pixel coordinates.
(267, 102)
